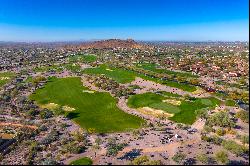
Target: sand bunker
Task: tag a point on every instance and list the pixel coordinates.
(50, 106)
(4, 78)
(109, 70)
(88, 91)
(198, 91)
(67, 108)
(173, 102)
(154, 112)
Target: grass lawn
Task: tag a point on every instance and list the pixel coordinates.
(82, 161)
(73, 67)
(119, 75)
(56, 68)
(187, 114)
(97, 110)
(168, 94)
(6, 78)
(230, 103)
(29, 79)
(183, 113)
(126, 76)
(83, 58)
(151, 100)
(153, 67)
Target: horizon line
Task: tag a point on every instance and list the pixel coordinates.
(91, 40)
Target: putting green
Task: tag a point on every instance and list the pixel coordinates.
(184, 112)
(97, 111)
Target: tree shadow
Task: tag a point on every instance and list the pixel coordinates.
(131, 155)
(235, 162)
(189, 161)
(73, 115)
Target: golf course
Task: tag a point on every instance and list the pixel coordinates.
(91, 110)
(183, 110)
(83, 58)
(126, 76)
(154, 67)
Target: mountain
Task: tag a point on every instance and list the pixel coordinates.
(110, 43)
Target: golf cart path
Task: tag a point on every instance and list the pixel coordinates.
(170, 148)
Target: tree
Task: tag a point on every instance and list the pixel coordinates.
(203, 158)
(37, 80)
(220, 132)
(179, 157)
(98, 141)
(73, 148)
(49, 161)
(91, 130)
(208, 129)
(140, 160)
(45, 114)
(235, 148)
(243, 115)
(202, 113)
(222, 157)
(51, 137)
(244, 139)
(31, 113)
(221, 119)
(113, 148)
(78, 136)
(194, 81)
(144, 160)
(136, 133)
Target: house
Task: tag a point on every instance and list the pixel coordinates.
(232, 74)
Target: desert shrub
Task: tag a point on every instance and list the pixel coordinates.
(222, 157)
(243, 115)
(235, 148)
(221, 119)
(144, 160)
(179, 157)
(220, 132)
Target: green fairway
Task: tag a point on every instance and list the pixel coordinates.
(231, 103)
(6, 78)
(154, 67)
(151, 100)
(73, 67)
(57, 68)
(119, 75)
(126, 76)
(96, 111)
(82, 161)
(187, 114)
(183, 113)
(83, 58)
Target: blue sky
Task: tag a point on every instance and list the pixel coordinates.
(189, 20)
